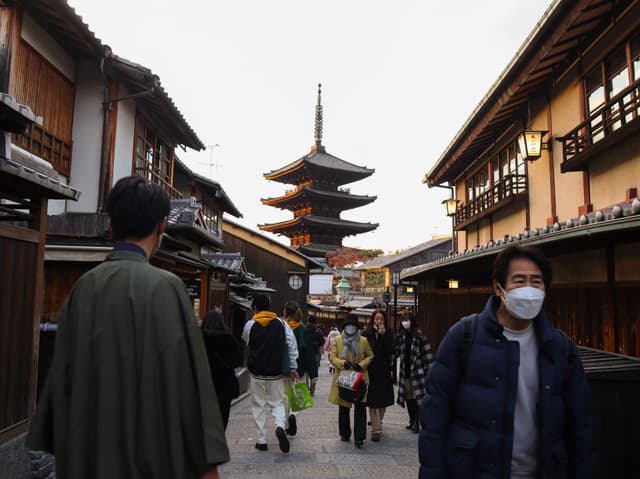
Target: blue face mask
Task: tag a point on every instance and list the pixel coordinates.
(350, 329)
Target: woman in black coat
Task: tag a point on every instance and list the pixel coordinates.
(380, 393)
(224, 357)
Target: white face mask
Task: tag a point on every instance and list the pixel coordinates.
(406, 324)
(350, 329)
(523, 303)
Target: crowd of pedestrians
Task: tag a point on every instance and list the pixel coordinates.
(137, 390)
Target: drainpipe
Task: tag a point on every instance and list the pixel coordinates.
(103, 179)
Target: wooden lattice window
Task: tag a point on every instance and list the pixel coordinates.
(211, 218)
(50, 95)
(154, 158)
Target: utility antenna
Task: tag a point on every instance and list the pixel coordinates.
(213, 163)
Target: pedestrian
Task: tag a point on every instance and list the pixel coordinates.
(331, 337)
(129, 393)
(224, 357)
(350, 351)
(507, 395)
(305, 362)
(316, 339)
(380, 393)
(273, 352)
(415, 355)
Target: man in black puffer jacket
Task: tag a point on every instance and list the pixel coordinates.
(507, 396)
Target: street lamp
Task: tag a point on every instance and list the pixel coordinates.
(451, 205)
(531, 145)
(343, 288)
(395, 281)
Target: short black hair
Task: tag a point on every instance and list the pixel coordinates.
(136, 207)
(503, 260)
(261, 302)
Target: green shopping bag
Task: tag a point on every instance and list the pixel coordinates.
(299, 397)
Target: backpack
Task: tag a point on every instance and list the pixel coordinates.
(466, 342)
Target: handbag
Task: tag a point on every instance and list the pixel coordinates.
(351, 385)
(299, 397)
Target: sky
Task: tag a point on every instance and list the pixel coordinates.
(399, 79)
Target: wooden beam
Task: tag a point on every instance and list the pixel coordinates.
(17, 233)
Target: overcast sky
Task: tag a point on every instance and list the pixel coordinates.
(399, 78)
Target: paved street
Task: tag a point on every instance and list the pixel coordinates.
(316, 450)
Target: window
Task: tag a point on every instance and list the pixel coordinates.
(210, 217)
(154, 158)
(615, 74)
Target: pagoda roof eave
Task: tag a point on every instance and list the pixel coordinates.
(318, 193)
(317, 248)
(322, 160)
(314, 221)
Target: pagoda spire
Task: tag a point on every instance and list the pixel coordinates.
(318, 123)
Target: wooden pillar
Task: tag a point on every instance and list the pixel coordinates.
(39, 210)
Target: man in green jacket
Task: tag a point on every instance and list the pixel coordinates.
(129, 393)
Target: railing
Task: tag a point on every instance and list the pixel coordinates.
(613, 115)
(154, 175)
(509, 187)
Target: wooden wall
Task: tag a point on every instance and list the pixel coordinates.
(19, 267)
(592, 315)
(46, 90)
(59, 277)
(272, 268)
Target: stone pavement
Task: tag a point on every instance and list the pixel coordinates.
(316, 450)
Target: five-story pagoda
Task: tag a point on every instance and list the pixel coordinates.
(317, 199)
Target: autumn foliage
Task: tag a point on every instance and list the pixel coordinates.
(348, 256)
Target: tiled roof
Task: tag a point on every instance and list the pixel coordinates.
(622, 217)
(325, 221)
(143, 78)
(323, 160)
(14, 116)
(38, 173)
(232, 262)
(63, 23)
(213, 187)
(307, 191)
(276, 244)
(183, 216)
(382, 261)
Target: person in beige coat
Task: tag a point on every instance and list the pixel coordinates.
(350, 351)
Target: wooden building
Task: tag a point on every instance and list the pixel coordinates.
(26, 186)
(318, 198)
(106, 117)
(284, 269)
(103, 118)
(573, 88)
(376, 276)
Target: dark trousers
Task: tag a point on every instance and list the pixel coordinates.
(359, 421)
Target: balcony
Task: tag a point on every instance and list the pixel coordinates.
(510, 189)
(613, 122)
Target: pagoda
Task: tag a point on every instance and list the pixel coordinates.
(317, 198)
